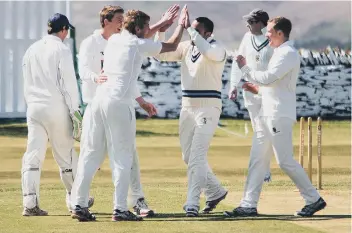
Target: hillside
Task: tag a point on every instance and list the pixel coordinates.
(314, 23)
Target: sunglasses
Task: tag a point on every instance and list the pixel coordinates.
(250, 22)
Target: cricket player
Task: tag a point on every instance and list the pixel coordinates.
(255, 47)
(202, 63)
(52, 98)
(278, 114)
(91, 59)
(112, 108)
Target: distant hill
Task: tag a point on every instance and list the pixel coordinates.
(315, 24)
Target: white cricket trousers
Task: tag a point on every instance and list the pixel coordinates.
(275, 132)
(112, 124)
(254, 110)
(135, 180)
(47, 122)
(196, 129)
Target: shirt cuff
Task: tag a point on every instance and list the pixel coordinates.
(233, 85)
(192, 32)
(245, 69)
(94, 77)
(160, 36)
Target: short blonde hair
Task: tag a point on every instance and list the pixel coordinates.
(135, 18)
(108, 13)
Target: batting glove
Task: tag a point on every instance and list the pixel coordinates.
(77, 125)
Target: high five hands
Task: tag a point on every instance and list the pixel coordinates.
(183, 19)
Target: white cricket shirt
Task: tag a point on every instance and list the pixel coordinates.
(123, 58)
(90, 63)
(278, 82)
(256, 50)
(202, 65)
(49, 75)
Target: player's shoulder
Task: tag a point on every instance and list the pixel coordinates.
(62, 49)
(49, 42)
(247, 36)
(147, 42)
(212, 40)
(57, 44)
(293, 53)
(248, 33)
(31, 48)
(88, 41)
(34, 45)
(117, 37)
(289, 48)
(290, 51)
(215, 42)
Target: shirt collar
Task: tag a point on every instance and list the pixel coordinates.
(287, 43)
(99, 34)
(210, 38)
(124, 32)
(52, 37)
(261, 36)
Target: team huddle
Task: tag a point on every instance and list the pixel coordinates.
(110, 61)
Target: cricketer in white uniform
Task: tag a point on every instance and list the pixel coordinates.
(255, 47)
(277, 117)
(91, 60)
(202, 63)
(112, 107)
(51, 94)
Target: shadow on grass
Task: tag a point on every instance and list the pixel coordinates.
(218, 216)
(145, 133)
(58, 215)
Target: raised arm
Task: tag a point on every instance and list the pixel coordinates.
(171, 49)
(167, 18)
(172, 43)
(213, 51)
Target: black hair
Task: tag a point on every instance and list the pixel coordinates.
(208, 24)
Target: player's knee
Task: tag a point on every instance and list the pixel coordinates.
(30, 168)
(285, 163)
(197, 160)
(32, 159)
(197, 166)
(199, 170)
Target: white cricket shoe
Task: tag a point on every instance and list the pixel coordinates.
(90, 204)
(36, 211)
(142, 209)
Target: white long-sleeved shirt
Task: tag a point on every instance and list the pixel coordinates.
(278, 82)
(256, 50)
(90, 63)
(202, 65)
(123, 58)
(49, 75)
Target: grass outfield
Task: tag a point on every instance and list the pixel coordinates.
(165, 183)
